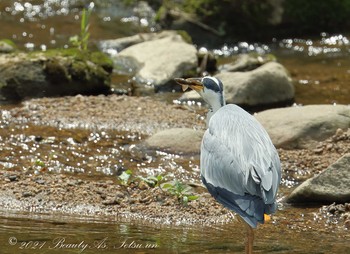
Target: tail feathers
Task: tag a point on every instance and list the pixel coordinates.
(250, 208)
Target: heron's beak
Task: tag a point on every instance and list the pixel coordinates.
(193, 83)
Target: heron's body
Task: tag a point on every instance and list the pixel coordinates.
(239, 164)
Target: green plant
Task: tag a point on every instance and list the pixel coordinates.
(81, 41)
(152, 181)
(39, 165)
(182, 191)
(125, 177)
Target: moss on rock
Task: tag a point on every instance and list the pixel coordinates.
(7, 46)
(55, 72)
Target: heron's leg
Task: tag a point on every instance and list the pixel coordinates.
(249, 240)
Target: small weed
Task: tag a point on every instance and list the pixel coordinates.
(152, 181)
(39, 165)
(180, 190)
(125, 177)
(81, 41)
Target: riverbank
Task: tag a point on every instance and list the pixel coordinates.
(23, 189)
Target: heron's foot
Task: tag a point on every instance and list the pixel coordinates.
(267, 217)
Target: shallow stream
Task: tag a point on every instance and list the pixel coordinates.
(320, 69)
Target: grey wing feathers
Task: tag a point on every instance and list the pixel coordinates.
(238, 156)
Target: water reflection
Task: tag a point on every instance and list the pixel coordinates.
(327, 44)
(106, 235)
(39, 149)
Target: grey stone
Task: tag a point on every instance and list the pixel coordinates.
(304, 127)
(177, 140)
(331, 185)
(246, 62)
(124, 42)
(162, 60)
(267, 84)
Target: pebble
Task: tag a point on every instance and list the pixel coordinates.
(13, 178)
(119, 194)
(339, 132)
(143, 186)
(40, 181)
(110, 201)
(347, 224)
(27, 194)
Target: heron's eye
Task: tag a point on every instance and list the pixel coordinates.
(212, 83)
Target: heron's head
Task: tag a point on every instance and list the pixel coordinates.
(209, 88)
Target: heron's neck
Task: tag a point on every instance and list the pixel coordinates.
(215, 106)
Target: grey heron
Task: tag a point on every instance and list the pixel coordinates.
(239, 164)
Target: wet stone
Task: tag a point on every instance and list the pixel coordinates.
(13, 178)
(347, 224)
(110, 201)
(27, 194)
(40, 181)
(119, 194)
(143, 186)
(71, 183)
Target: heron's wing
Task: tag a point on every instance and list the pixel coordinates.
(238, 156)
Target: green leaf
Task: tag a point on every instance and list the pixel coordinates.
(147, 180)
(191, 198)
(159, 178)
(125, 176)
(83, 20)
(39, 163)
(129, 172)
(167, 185)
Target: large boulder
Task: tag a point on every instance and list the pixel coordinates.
(266, 85)
(304, 127)
(253, 81)
(177, 140)
(332, 185)
(121, 43)
(162, 60)
(53, 73)
(247, 62)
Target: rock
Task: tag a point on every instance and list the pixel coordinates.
(304, 127)
(110, 201)
(124, 42)
(191, 96)
(254, 82)
(143, 186)
(53, 73)
(266, 85)
(27, 194)
(247, 62)
(162, 60)
(331, 185)
(177, 140)
(7, 46)
(347, 224)
(13, 178)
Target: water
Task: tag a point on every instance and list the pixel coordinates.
(30, 233)
(320, 68)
